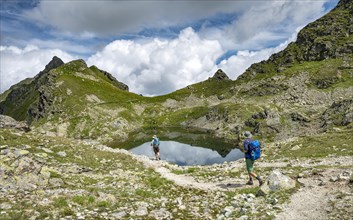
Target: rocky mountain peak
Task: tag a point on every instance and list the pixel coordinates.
(31, 100)
(37, 99)
(54, 63)
(220, 75)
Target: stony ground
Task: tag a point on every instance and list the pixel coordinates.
(56, 178)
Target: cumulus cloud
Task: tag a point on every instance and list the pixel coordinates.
(154, 66)
(116, 17)
(235, 65)
(242, 22)
(63, 45)
(159, 66)
(280, 16)
(150, 67)
(17, 64)
(265, 24)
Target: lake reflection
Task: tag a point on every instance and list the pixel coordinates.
(184, 154)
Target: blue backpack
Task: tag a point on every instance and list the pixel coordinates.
(156, 142)
(255, 149)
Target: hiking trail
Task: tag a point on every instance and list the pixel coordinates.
(310, 202)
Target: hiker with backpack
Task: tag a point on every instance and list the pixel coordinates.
(155, 145)
(251, 148)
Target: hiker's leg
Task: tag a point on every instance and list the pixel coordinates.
(252, 174)
(157, 153)
(249, 168)
(155, 150)
(257, 177)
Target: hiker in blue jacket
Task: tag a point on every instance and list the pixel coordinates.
(249, 162)
(155, 145)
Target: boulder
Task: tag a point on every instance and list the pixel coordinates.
(8, 122)
(276, 181)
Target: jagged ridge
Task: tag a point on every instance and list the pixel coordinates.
(328, 37)
(33, 99)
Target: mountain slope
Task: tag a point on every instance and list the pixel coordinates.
(61, 93)
(302, 113)
(329, 37)
(289, 95)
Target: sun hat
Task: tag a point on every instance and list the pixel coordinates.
(154, 136)
(247, 134)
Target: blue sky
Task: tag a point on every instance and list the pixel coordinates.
(155, 47)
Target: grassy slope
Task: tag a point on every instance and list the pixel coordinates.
(95, 118)
(115, 183)
(118, 104)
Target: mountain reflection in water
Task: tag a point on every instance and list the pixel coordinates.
(185, 154)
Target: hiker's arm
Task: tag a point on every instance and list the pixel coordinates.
(245, 148)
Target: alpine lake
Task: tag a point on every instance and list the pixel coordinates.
(184, 147)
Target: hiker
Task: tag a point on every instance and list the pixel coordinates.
(249, 162)
(155, 145)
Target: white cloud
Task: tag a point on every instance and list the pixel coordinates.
(17, 64)
(235, 65)
(251, 19)
(63, 45)
(117, 17)
(264, 24)
(159, 66)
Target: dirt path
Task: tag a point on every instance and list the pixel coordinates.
(311, 201)
(163, 168)
(186, 181)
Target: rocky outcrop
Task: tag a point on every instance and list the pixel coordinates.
(54, 63)
(217, 114)
(32, 100)
(339, 114)
(296, 116)
(8, 122)
(114, 81)
(20, 171)
(220, 75)
(266, 89)
(44, 84)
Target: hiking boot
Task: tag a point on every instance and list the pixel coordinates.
(261, 182)
(250, 182)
